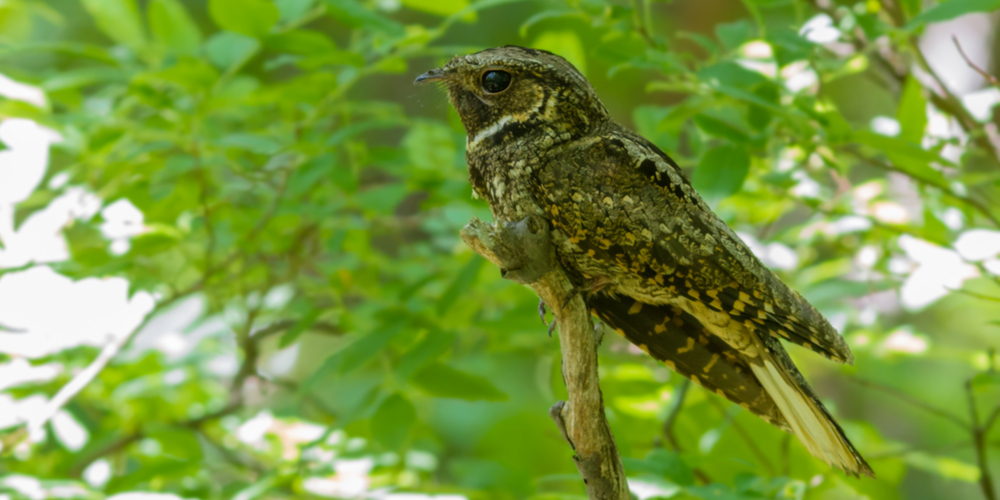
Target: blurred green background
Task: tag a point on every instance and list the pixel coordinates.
(292, 204)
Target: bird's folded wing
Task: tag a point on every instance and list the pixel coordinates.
(687, 247)
(678, 340)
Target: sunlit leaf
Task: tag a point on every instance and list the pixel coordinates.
(354, 14)
(248, 17)
(912, 112)
(439, 7)
(951, 9)
(173, 27)
(305, 42)
(565, 43)
(119, 20)
(944, 466)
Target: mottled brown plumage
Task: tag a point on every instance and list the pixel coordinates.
(665, 271)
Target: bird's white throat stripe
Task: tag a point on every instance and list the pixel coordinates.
(497, 126)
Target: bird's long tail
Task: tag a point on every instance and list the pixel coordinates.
(769, 386)
(808, 419)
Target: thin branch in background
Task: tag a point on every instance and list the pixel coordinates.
(976, 204)
(641, 23)
(676, 404)
(990, 78)
(992, 419)
(112, 448)
(904, 450)
(974, 294)
(979, 444)
(912, 401)
(761, 457)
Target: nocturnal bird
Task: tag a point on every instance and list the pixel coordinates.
(655, 263)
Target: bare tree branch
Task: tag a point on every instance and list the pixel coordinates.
(523, 252)
(990, 78)
(912, 401)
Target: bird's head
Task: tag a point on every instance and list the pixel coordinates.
(506, 93)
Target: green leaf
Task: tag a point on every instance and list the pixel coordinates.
(303, 324)
(951, 9)
(912, 7)
(292, 10)
(545, 15)
(912, 112)
(430, 146)
(440, 7)
(720, 128)
(173, 27)
(908, 157)
(946, 467)
(721, 172)
(433, 346)
(734, 34)
(119, 20)
(382, 199)
(934, 230)
(760, 117)
(443, 381)
(565, 43)
(392, 421)
(83, 77)
(364, 349)
(731, 74)
(248, 17)
(355, 15)
(253, 143)
(304, 42)
(463, 281)
(158, 238)
(228, 49)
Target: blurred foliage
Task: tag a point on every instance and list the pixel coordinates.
(308, 199)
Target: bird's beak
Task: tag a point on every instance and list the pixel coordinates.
(434, 75)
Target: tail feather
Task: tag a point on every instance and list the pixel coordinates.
(808, 418)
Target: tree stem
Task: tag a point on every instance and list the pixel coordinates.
(524, 254)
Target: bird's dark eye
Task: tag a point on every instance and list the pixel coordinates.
(496, 81)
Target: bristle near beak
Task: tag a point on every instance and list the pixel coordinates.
(434, 75)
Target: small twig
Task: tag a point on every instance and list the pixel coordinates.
(990, 78)
(912, 401)
(786, 449)
(745, 436)
(979, 444)
(113, 447)
(992, 419)
(976, 204)
(974, 294)
(676, 404)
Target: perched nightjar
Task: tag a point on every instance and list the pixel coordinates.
(659, 266)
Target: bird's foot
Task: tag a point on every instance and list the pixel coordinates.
(541, 313)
